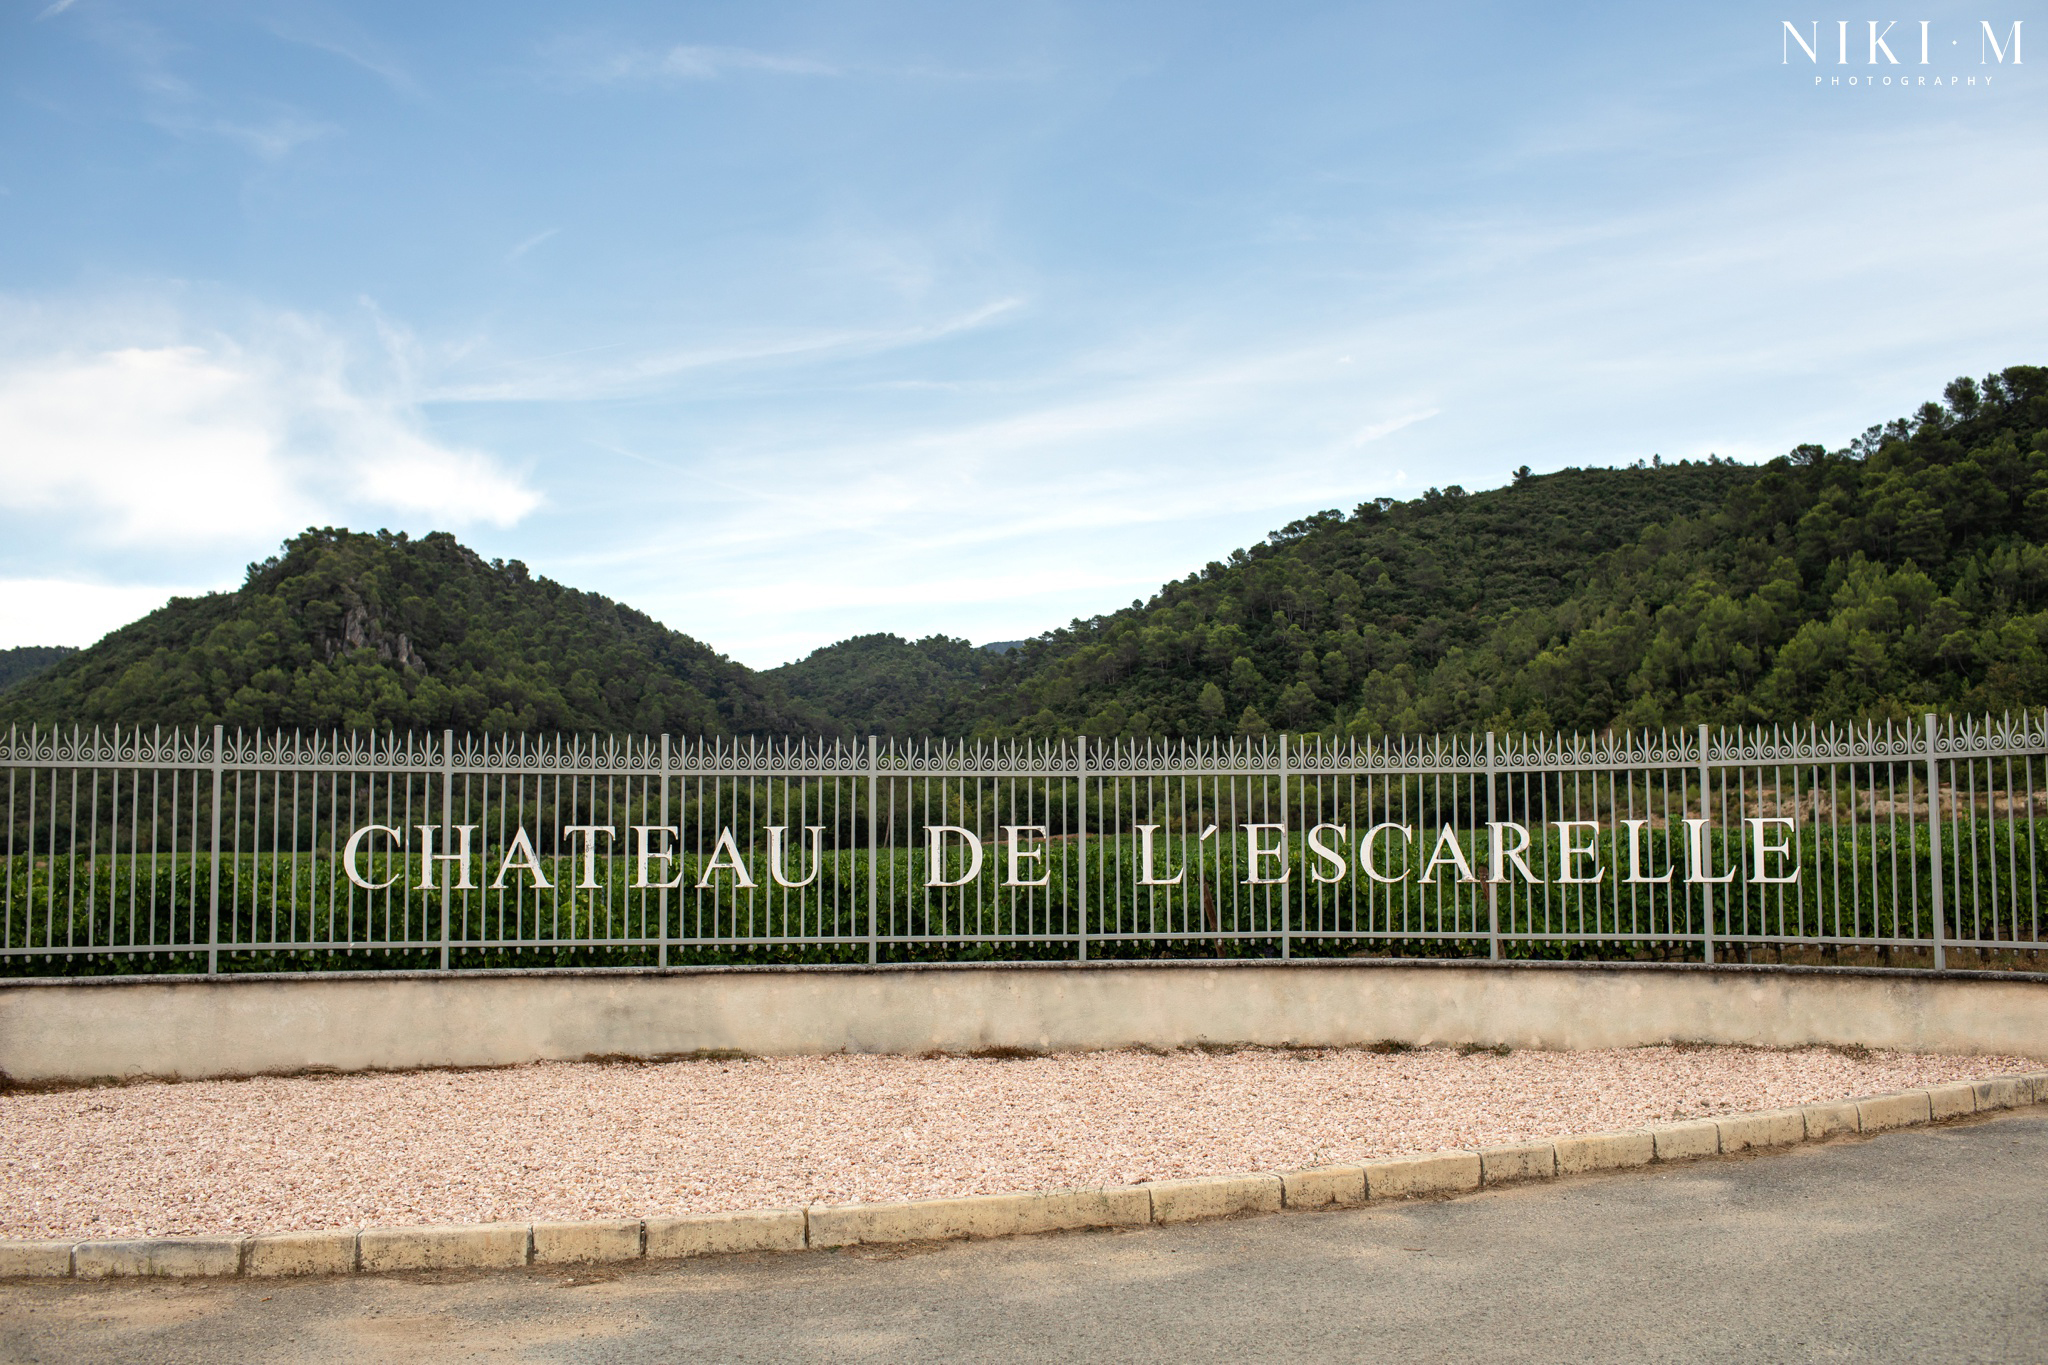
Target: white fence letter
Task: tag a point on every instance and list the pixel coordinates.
(1145, 877)
(1505, 857)
(521, 844)
(645, 854)
(1696, 854)
(1333, 857)
(1365, 852)
(589, 833)
(1759, 848)
(1569, 853)
(934, 862)
(1018, 853)
(428, 858)
(1635, 855)
(1252, 877)
(1447, 841)
(354, 846)
(776, 835)
(725, 857)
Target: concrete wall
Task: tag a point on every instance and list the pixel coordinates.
(190, 1027)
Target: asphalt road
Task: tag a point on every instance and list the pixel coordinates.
(1925, 1245)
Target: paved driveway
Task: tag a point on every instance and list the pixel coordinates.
(1915, 1246)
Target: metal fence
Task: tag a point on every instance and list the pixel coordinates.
(203, 850)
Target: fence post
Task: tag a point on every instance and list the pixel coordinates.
(1934, 849)
(1706, 854)
(213, 864)
(661, 899)
(874, 851)
(447, 832)
(1286, 858)
(1492, 872)
(1081, 778)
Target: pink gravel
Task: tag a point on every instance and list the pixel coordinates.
(592, 1140)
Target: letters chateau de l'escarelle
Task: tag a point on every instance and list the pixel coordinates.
(1023, 848)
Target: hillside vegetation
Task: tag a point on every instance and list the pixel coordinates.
(27, 661)
(1901, 572)
(381, 631)
(1375, 619)
(886, 685)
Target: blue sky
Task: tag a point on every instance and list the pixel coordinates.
(787, 322)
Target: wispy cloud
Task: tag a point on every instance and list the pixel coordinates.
(54, 10)
(272, 139)
(529, 244)
(331, 33)
(708, 63)
(584, 61)
(174, 103)
(548, 379)
(1367, 435)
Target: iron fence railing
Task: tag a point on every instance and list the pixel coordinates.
(206, 850)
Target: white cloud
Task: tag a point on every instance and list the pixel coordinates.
(50, 611)
(143, 445)
(183, 442)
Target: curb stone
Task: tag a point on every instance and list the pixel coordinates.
(35, 1260)
(1687, 1140)
(158, 1257)
(1952, 1101)
(2003, 1092)
(458, 1246)
(1831, 1120)
(1452, 1172)
(1523, 1161)
(717, 1234)
(301, 1253)
(820, 1226)
(992, 1215)
(1605, 1151)
(1323, 1187)
(1766, 1128)
(1903, 1110)
(1214, 1196)
(615, 1239)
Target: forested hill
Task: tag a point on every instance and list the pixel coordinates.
(380, 631)
(886, 685)
(1337, 619)
(1901, 572)
(26, 661)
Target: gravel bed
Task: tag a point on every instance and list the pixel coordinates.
(591, 1140)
